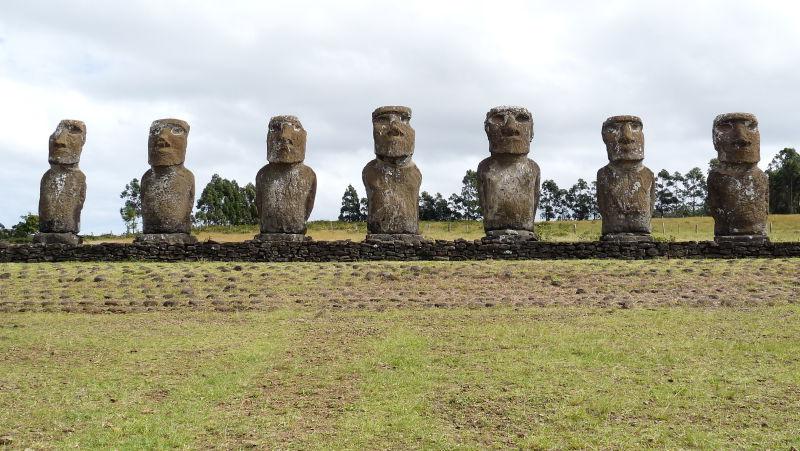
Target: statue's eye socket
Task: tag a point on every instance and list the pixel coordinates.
(275, 127)
(497, 118)
(752, 125)
(725, 126)
(74, 129)
(636, 127)
(523, 117)
(382, 119)
(177, 131)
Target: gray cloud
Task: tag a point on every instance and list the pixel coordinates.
(227, 69)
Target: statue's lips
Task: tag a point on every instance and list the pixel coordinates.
(515, 137)
(740, 145)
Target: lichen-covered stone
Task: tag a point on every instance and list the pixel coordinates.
(392, 180)
(167, 187)
(508, 181)
(625, 187)
(738, 191)
(62, 191)
(285, 187)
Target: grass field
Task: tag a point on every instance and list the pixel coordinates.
(533, 354)
(782, 228)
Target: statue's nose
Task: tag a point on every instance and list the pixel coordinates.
(740, 133)
(509, 126)
(627, 134)
(60, 140)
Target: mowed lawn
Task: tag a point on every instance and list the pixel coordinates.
(534, 354)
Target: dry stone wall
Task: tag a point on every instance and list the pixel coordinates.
(322, 251)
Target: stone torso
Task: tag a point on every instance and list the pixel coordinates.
(285, 196)
(61, 196)
(167, 199)
(625, 199)
(508, 188)
(739, 200)
(392, 197)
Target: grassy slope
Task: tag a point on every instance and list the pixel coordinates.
(531, 354)
(783, 228)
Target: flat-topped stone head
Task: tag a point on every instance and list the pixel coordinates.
(66, 142)
(624, 138)
(392, 132)
(509, 129)
(166, 144)
(286, 140)
(736, 138)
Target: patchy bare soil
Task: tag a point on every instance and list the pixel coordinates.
(138, 287)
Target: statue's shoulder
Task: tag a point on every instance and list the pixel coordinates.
(485, 164)
(534, 165)
(604, 172)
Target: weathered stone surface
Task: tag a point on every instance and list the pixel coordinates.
(625, 187)
(273, 236)
(508, 181)
(509, 235)
(392, 180)
(627, 237)
(166, 238)
(409, 238)
(62, 191)
(67, 238)
(738, 191)
(316, 251)
(167, 187)
(285, 187)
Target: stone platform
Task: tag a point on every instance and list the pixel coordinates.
(319, 251)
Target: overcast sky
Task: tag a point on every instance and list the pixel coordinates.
(227, 67)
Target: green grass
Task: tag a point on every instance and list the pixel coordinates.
(781, 228)
(563, 354)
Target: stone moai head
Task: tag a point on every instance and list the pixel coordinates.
(392, 132)
(624, 138)
(736, 138)
(166, 145)
(66, 143)
(509, 129)
(286, 140)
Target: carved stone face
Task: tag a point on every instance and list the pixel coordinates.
(66, 143)
(286, 140)
(736, 138)
(166, 145)
(624, 138)
(392, 132)
(509, 129)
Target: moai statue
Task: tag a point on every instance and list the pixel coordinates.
(738, 191)
(285, 187)
(63, 187)
(392, 179)
(626, 189)
(508, 181)
(167, 187)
